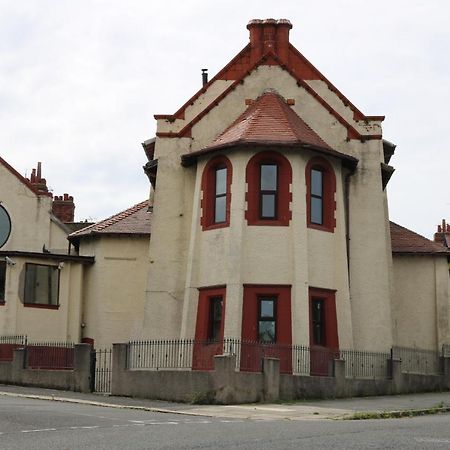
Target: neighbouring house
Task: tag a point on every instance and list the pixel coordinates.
(114, 287)
(89, 288)
(270, 217)
(41, 284)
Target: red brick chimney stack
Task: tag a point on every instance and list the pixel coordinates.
(39, 183)
(443, 233)
(64, 208)
(269, 35)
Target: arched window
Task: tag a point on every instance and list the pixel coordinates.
(268, 177)
(320, 192)
(216, 183)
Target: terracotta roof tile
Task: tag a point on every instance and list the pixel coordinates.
(406, 241)
(269, 121)
(134, 220)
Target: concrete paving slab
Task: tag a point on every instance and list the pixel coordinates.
(302, 410)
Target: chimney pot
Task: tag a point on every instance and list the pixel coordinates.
(269, 35)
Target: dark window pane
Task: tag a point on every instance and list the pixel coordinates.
(266, 331)
(221, 181)
(268, 177)
(318, 322)
(220, 209)
(316, 210)
(267, 308)
(268, 206)
(316, 182)
(2, 280)
(215, 318)
(41, 284)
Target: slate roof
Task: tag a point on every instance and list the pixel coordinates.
(407, 242)
(270, 121)
(135, 220)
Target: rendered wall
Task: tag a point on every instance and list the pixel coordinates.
(421, 301)
(41, 323)
(183, 258)
(30, 214)
(114, 288)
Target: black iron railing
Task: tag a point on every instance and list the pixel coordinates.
(360, 364)
(418, 361)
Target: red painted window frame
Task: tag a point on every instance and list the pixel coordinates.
(203, 324)
(208, 193)
(204, 349)
(328, 194)
(284, 196)
(251, 350)
(331, 329)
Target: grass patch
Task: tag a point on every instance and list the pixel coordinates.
(437, 409)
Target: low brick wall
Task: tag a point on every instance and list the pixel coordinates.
(77, 380)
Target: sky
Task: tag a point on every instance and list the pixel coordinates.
(81, 80)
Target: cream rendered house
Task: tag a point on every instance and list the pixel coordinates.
(270, 219)
(40, 283)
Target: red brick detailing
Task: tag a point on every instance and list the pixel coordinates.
(252, 196)
(269, 45)
(329, 192)
(252, 292)
(208, 191)
(331, 330)
(63, 208)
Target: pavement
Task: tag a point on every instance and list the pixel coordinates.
(300, 410)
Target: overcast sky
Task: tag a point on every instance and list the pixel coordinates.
(80, 81)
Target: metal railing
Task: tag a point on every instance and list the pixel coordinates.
(8, 344)
(418, 361)
(50, 355)
(102, 370)
(187, 354)
(359, 364)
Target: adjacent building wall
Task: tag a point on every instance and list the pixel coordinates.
(421, 307)
(114, 288)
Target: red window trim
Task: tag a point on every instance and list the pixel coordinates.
(284, 196)
(331, 330)
(329, 191)
(252, 292)
(202, 326)
(208, 193)
(40, 306)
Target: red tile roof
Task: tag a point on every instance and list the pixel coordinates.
(406, 241)
(269, 121)
(135, 220)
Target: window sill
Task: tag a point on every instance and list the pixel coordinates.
(215, 226)
(2, 303)
(270, 223)
(321, 227)
(41, 306)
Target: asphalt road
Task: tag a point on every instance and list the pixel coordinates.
(37, 424)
